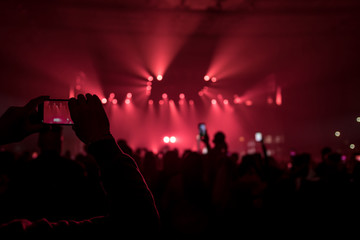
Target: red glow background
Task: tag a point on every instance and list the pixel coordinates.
(303, 55)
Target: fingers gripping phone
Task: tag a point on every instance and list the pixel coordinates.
(55, 111)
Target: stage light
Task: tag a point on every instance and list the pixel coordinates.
(206, 78)
(111, 95)
(181, 101)
(150, 78)
(171, 101)
(148, 88)
(237, 99)
(201, 93)
(164, 96)
(226, 102)
(161, 102)
(213, 79)
(172, 139)
(181, 96)
(148, 83)
(213, 101)
(151, 102)
(248, 103)
(159, 77)
(114, 101)
(278, 99)
(352, 146)
(358, 119)
(166, 139)
(127, 101)
(337, 134)
(191, 102)
(104, 100)
(129, 95)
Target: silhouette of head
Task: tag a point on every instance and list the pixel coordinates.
(219, 141)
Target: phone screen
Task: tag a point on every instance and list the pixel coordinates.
(56, 112)
(258, 136)
(202, 129)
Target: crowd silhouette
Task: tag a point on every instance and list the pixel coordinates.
(194, 194)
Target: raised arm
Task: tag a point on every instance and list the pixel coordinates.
(131, 205)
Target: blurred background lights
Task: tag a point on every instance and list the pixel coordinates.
(114, 101)
(127, 101)
(213, 101)
(206, 78)
(129, 95)
(150, 78)
(337, 134)
(352, 146)
(358, 119)
(104, 100)
(164, 96)
(181, 96)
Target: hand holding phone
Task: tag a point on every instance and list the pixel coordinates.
(91, 123)
(202, 129)
(18, 122)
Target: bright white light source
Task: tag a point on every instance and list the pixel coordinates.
(172, 139)
(166, 139)
(337, 134)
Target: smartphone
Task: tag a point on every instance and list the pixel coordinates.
(258, 137)
(202, 129)
(56, 111)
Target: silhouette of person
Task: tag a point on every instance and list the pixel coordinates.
(132, 211)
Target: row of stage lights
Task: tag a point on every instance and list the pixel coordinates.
(213, 101)
(202, 92)
(159, 77)
(113, 100)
